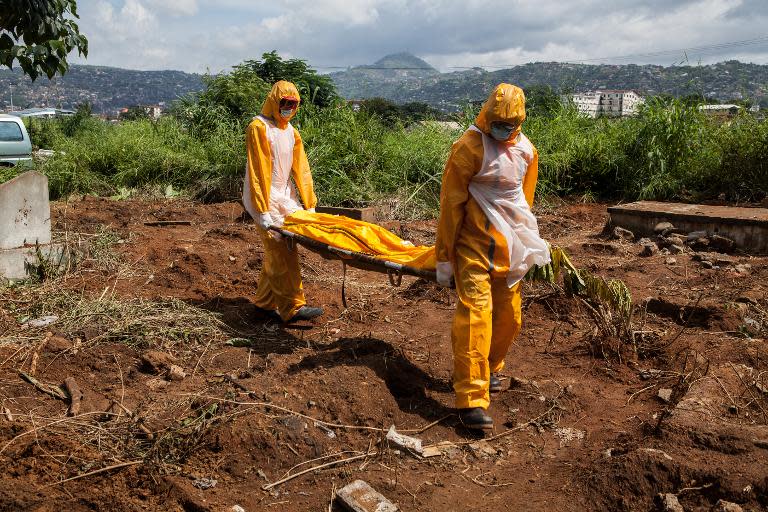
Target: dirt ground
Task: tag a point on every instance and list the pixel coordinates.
(581, 426)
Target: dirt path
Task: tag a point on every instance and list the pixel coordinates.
(587, 431)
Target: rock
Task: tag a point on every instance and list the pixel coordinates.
(661, 227)
(664, 252)
(727, 506)
(675, 249)
(483, 450)
(696, 235)
(670, 261)
(237, 508)
(567, 435)
(764, 202)
(744, 268)
(761, 443)
(446, 448)
(58, 344)
(43, 321)
(669, 503)
(707, 264)
(412, 444)
(156, 384)
(649, 250)
(156, 361)
(655, 451)
(359, 496)
(176, 372)
(644, 241)
(721, 243)
(651, 373)
(665, 395)
(622, 234)
(205, 483)
(517, 382)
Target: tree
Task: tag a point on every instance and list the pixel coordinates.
(39, 34)
(317, 89)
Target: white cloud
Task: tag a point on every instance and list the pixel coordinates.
(175, 7)
(195, 35)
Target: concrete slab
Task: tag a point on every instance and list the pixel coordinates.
(16, 264)
(25, 211)
(747, 227)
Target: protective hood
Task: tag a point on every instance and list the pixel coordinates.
(506, 104)
(271, 108)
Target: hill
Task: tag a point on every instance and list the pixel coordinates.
(107, 89)
(722, 81)
(399, 77)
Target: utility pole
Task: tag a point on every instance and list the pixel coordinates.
(11, 97)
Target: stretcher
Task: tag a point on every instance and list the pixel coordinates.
(394, 271)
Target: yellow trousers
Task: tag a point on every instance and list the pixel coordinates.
(280, 286)
(487, 320)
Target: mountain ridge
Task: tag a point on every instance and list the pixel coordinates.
(400, 77)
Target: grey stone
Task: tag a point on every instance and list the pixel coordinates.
(675, 249)
(669, 503)
(695, 235)
(20, 263)
(727, 506)
(661, 227)
(670, 261)
(721, 243)
(25, 211)
(649, 250)
(623, 234)
(665, 394)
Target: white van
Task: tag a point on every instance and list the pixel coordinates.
(15, 146)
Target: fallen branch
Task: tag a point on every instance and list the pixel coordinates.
(169, 223)
(97, 471)
(48, 390)
(316, 468)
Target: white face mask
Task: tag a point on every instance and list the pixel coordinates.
(501, 132)
(286, 113)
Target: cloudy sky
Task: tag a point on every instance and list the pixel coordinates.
(200, 35)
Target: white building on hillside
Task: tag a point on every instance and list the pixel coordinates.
(611, 103)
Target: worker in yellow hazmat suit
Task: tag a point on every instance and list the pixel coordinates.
(275, 155)
(487, 240)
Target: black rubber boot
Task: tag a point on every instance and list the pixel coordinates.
(306, 313)
(475, 418)
(268, 314)
(495, 384)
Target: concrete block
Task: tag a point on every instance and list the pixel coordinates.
(746, 227)
(15, 264)
(364, 214)
(25, 211)
(361, 497)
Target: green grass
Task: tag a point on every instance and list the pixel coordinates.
(670, 151)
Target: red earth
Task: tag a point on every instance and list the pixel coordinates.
(582, 424)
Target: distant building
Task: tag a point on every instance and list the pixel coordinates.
(610, 103)
(152, 111)
(721, 110)
(44, 112)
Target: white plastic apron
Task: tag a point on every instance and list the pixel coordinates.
(498, 189)
(283, 199)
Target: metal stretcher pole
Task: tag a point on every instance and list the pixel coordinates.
(395, 271)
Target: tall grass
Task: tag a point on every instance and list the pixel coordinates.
(669, 151)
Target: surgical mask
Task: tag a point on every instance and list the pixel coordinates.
(501, 132)
(286, 113)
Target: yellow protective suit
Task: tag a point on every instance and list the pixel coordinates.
(488, 314)
(275, 155)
